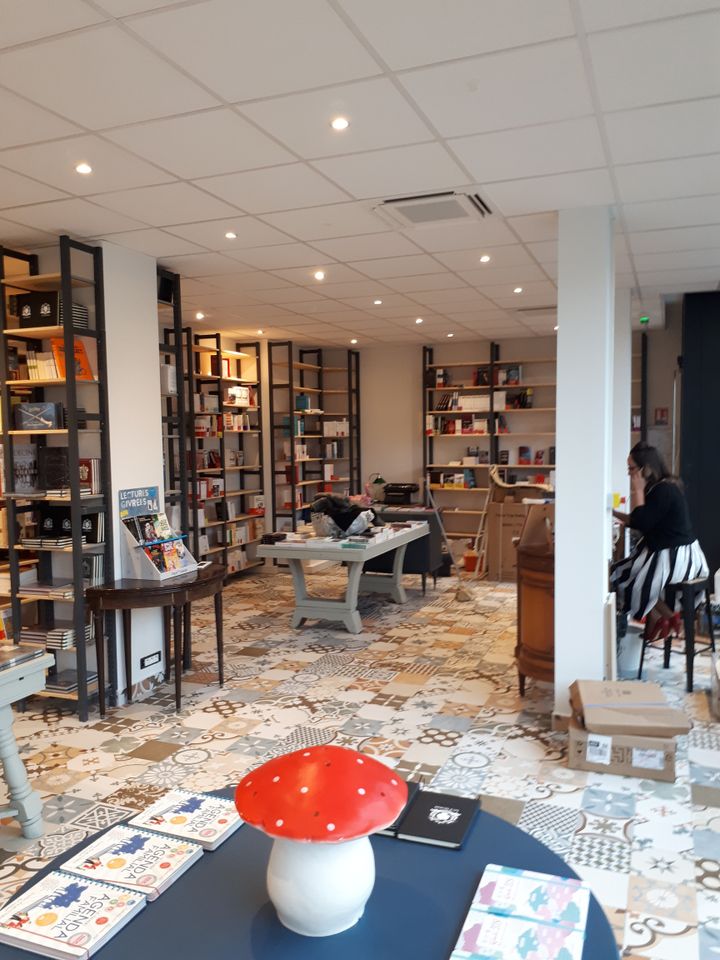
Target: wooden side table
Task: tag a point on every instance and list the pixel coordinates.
(175, 596)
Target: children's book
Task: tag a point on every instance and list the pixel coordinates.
(135, 859)
(83, 370)
(198, 817)
(64, 916)
(519, 913)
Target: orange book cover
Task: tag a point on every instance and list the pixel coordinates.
(83, 370)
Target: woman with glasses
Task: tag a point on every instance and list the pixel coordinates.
(668, 551)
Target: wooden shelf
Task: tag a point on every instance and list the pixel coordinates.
(461, 534)
(32, 433)
(528, 410)
(45, 596)
(535, 384)
(438, 486)
(335, 370)
(300, 366)
(538, 467)
(459, 413)
(298, 389)
(85, 547)
(517, 363)
(459, 466)
(43, 282)
(522, 433)
(243, 493)
(465, 363)
(449, 512)
(458, 436)
(214, 550)
(47, 383)
(458, 386)
(58, 695)
(45, 333)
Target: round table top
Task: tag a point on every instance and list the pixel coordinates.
(220, 907)
(128, 588)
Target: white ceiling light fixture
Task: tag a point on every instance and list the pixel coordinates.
(518, 290)
(83, 168)
(377, 303)
(230, 235)
(199, 315)
(353, 341)
(260, 333)
(340, 123)
(556, 328)
(419, 320)
(484, 258)
(319, 274)
(451, 335)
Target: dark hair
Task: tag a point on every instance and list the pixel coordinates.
(650, 461)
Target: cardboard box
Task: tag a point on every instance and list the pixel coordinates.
(649, 758)
(625, 707)
(505, 524)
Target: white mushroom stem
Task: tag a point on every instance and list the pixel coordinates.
(320, 889)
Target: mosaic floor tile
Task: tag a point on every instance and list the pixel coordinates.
(659, 938)
(663, 899)
(608, 804)
(602, 853)
(553, 825)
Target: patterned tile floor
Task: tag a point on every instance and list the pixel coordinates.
(431, 688)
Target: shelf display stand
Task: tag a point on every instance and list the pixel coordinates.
(57, 457)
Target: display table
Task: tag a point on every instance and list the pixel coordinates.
(16, 683)
(176, 594)
(345, 610)
(220, 908)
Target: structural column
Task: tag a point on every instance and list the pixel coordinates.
(621, 394)
(586, 280)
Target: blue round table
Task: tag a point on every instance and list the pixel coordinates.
(220, 908)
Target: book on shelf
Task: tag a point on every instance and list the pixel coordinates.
(53, 468)
(524, 455)
(539, 458)
(135, 859)
(199, 817)
(439, 819)
(93, 570)
(504, 457)
(41, 365)
(55, 587)
(44, 415)
(66, 681)
(513, 375)
(25, 468)
(516, 914)
(90, 476)
(40, 918)
(481, 377)
(45, 309)
(82, 368)
(60, 635)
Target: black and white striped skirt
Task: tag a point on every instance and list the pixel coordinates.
(641, 578)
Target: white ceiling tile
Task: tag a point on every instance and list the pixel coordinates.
(677, 260)
(691, 211)
(250, 280)
(76, 217)
(282, 255)
(658, 133)
(17, 236)
(16, 189)
(479, 320)
(668, 178)
(201, 265)
(517, 88)
(259, 48)
(27, 20)
(433, 281)
(211, 234)
(683, 64)
(532, 151)
(560, 192)
(155, 243)
(54, 163)
(400, 170)
(322, 223)
(170, 203)
(411, 32)
(292, 296)
(393, 305)
(685, 238)
(23, 122)
(511, 255)
(488, 232)
(535, 226)
(355, 288)
(365, 247)
(379, 117)
(709, 275)
(620, 13)
(334, 273)
(544, 251)
(311, 307)
(440, 299)
(100, 78)
(124, 8)
(278, 188)
(398, 266)
(492, 276)
(202, 144)
(215, 301)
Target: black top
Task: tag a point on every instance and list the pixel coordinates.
(664, 520)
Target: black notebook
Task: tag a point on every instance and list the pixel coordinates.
(439, 818)
(392, 830)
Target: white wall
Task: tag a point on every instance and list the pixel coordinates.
(135, 411)
(391, 412)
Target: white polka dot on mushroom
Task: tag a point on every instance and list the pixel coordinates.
(361, 791)
(275, 779)
(360, 761)
(279, 823)
(331, 827)
(394, 782)
(303, 789)
(307, 753)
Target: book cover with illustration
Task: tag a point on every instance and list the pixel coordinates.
(135, 859)
(64, 916)
(198, 817)
(83, 370)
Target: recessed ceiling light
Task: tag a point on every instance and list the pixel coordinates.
(199, 316)
(419, 320)
(319, 274)
(377, 302)
(230, 235)
(83, 168)
(484, 258)
(260, 332)
(340, 123)
(556, 328)
(353, 341)
(451, 334)
(517, 290)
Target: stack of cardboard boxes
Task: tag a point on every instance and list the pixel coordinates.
(624, 727)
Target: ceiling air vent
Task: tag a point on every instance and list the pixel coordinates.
(431, 209)
(537, 313)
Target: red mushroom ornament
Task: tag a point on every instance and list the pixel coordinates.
(320, 804)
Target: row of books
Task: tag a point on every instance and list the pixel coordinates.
(509, 374)
(99, 890)
(467, 425)
(45, 309)
(50, 364)
(59, 636)
(66, 681)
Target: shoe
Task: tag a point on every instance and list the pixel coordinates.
(660, 631)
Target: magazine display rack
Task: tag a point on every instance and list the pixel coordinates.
(148, 541)
(56, 456)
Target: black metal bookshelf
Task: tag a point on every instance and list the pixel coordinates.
(84, 432)
(228, 432)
